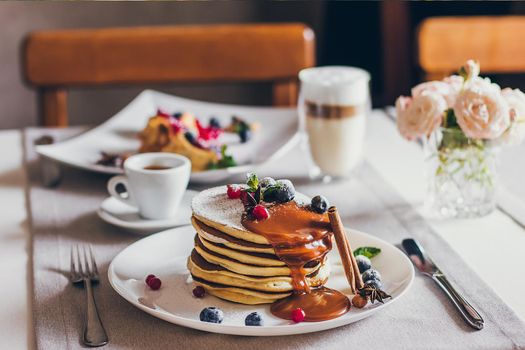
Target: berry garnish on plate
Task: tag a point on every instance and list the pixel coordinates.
(260, 212)
(233, 192)
(214, 123)
(254, 319)
(267, 182)
(199, 292)
(281, 192)
(298, 315)
(363, 263)
(162, 113)
(371, 274)
(245, 135)
(153, 282)
(374, 283)
(149, 277)
(319, 204)
(211, 314)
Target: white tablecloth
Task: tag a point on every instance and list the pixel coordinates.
(401, 162)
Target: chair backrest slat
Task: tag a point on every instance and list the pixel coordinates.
(445, 43)
(57, 59)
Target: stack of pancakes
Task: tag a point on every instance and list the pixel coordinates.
(235, 264)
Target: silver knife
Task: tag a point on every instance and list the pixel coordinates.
(424, 264)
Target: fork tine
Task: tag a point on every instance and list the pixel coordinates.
(73, 267)
(87, 261)
(81, 268)
(93, 261)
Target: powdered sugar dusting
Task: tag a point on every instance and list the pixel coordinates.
(214, 205)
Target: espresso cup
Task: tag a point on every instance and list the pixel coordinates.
(154, 183)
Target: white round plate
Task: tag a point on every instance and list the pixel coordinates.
(122, 215)
(164, 254)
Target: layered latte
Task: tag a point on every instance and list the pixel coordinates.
(335, 102)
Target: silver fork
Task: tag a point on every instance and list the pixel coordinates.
(84, 270)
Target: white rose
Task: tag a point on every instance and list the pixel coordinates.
(455, 82)
(443, 88)
(420, 115)
(481, 111)
(515, 134)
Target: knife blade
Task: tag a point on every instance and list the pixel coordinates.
(426, 266)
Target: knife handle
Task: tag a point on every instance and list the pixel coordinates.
(468, 312)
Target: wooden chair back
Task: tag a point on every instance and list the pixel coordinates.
(445, 43)
(58, 59)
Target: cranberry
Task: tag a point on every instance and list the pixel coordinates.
(208, 133)
(298, 315)
(176, 125)
(161, 113)
(260, 212)
(234, 192)
(149, 277)
(199, 292)
(155, 283)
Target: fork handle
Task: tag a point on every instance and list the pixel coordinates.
(94, 333)
(466, 310)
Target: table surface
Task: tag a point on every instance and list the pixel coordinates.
(492, 246)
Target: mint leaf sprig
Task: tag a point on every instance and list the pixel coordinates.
(225, 161)
(252, 181)
(369, 252)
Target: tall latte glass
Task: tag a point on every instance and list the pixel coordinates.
(333, 105)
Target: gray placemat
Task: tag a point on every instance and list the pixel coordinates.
(423, 319)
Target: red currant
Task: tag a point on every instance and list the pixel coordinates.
(260, 212)
(298, 315)
(149, 277)
(199, 292)
(234, 192)
(155, 283)
(161, 113)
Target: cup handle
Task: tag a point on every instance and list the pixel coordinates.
(112, 189)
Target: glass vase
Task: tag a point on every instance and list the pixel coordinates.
(462, 175)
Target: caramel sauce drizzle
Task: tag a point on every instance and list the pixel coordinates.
(298, 236)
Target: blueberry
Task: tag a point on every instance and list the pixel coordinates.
(267, 182)
(371, 274)
(177, 115)
(363, 263)
(254, 319)
(374, 283)
(214, 123)
(245, 134)
(282, 192)
(189, 136)
(211, 314)
(319, 204)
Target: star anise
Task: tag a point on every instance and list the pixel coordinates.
(373, 294)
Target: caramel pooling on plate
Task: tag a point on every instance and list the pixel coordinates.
(345, 251)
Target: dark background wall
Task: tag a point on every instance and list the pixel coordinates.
(377, 36)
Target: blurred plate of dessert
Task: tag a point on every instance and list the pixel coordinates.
(219, 139)
(259, 259)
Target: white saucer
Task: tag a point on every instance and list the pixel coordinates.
(122, 215)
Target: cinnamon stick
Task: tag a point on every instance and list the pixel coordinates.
(345, 251)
